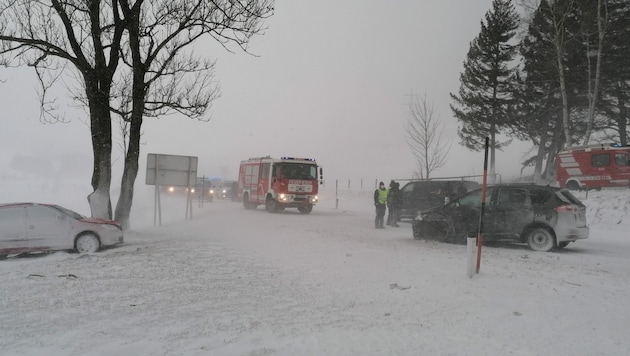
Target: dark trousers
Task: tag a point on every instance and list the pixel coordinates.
(380, 215)
(392, 217)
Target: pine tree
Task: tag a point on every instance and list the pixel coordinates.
(538, 110)
(615, 98)
(484, 97)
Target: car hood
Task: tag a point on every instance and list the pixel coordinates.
(431, 210)
(99, 221)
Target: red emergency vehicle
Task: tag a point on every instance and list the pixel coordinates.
(279, 183)
(593, 166)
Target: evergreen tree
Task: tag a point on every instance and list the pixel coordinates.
(485, 93)
(538, 110)
(615, 97)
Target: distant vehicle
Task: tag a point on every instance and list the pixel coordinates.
(227, 190)
(33, 227)
(419, 195)
(544, 217)
(225, 193)
(279, 183)
(203, 189)
(593, 167)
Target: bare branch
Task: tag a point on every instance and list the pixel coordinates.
(424, 137)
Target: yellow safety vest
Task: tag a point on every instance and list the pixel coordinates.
(382, 196)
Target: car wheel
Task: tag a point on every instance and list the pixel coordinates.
(439, 231)
(305, 209)
(87, 243)
(540, 239)
(562, 244)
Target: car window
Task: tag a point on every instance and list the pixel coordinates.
(541, 196)
(9, 214)
(512, 196)
(600, 160)
(42, 213)
(473, 199)
(568, 197)
(621, 159)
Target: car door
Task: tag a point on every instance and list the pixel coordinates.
(510, 212)
(48, 228)
(13, 228)
(466, 210)
(408, 210)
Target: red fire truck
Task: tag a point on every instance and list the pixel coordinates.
(279, 183)
(593, 166)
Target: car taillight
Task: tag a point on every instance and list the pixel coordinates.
(570, 209)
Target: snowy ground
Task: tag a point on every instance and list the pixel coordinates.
(239, 282)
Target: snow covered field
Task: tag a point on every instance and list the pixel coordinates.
(239, 282)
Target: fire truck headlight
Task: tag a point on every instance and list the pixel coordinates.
(171, 189)
(282, 197)
(314, 199)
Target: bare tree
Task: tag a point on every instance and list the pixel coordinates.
(83, 38)
(167, 75)
(424, 136)
(155, 41)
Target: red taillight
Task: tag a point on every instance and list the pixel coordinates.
(569, 209)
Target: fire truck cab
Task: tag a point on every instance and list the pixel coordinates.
(279, 183)
(593, 166)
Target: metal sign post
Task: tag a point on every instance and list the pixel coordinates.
(171, 170)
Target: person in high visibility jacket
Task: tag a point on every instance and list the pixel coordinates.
(380, 202)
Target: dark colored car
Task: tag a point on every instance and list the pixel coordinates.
(32, 227)
(543, 217)
(425, 194)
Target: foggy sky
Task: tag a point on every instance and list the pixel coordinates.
(330, 80)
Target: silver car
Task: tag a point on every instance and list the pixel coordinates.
(32, 227)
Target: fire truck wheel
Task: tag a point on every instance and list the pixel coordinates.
(271, 205)
(246, 203)
(573, 185)
(305, 209)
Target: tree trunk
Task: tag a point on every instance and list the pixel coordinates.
(130, 173)
(540, 157)
(493, 150)
(563, 92)
(100, 119)
(622, 119)
(555, 146)
(592, 96)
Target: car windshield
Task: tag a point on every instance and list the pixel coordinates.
(68, 212)
(299, 171)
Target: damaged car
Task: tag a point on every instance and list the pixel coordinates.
(543, 217)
